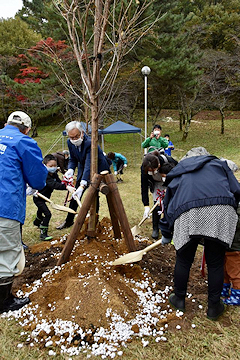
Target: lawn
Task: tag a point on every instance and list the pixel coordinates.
(212, 339)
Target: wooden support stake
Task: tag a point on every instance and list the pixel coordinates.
(119, 209)
(104, 188)
(114, 217)
(91, 194)
(91, 232)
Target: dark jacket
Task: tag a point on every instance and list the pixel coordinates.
(52, 183)
(81, 158)
(147, 181)
(199, 181)
(61, 161)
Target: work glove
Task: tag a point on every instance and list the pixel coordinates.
(115, 172)
(30, 191)
(70, 188)
(68, 174)
(68, 177)
(78, 193)
(67, 182)
(125, 165)
(146, 211)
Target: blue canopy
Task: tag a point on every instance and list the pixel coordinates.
(120, 127)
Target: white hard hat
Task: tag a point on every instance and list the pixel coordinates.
(20, 117)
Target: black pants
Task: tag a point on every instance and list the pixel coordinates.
(214, 254)
(43, 212)
(120, 164)
(74, 205)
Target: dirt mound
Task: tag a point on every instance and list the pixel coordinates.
(87, 304)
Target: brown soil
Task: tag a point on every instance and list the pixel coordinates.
(84, 289)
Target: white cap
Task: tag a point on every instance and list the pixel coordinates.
(20, 117)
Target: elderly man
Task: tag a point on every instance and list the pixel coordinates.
(21, 163)
(79, 145)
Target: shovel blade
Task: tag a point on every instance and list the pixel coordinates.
(135, 230)
(63, 208)
(129, 258)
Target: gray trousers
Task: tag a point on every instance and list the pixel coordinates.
(10, 248)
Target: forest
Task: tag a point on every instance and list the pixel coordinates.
(52, 67)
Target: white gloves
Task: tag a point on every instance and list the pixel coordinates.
(70, 188)
(83, 183)
(125, 165)
(146, 211)
(30, 191)
(68, 174)
(78, 193)
(115, 172)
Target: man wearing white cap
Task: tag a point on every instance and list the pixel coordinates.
(20, 164)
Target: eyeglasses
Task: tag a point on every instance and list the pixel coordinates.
(74, 137)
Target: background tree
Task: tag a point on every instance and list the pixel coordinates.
(16, 36)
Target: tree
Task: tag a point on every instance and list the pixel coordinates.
(220, 80)
(102, 32)
(15, 38)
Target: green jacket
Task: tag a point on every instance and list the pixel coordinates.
(155, 144)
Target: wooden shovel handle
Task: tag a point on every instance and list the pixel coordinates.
(152, 246)
(44, 197)
(151, 210)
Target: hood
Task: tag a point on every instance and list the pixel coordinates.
(187, 165)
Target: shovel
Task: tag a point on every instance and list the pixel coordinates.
(72, 190)
(135, 255)
(56, 206)
(136, 229)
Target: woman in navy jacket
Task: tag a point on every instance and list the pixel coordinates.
(200, 206)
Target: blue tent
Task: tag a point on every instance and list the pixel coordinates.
(120, 127)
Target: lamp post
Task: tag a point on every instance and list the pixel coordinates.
(145, 71)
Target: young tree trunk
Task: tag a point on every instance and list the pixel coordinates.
(222, 120)
(180, 120)
(186, 130)
(34, 131)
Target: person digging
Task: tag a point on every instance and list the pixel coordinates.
(21, 164)
(53, 182)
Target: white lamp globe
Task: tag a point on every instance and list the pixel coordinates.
(146, 70)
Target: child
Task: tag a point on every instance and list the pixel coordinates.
(170, 147)
(52, 183)
(232, 269)
(118, 162)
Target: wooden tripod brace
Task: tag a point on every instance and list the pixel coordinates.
(116, 210)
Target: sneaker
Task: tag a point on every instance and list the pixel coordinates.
(176, 302)
(64, 225)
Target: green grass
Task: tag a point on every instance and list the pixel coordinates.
(211, 340)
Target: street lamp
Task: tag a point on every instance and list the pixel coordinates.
(145, 71)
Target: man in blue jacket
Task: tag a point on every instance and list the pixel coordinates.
(79, 145)
(20, 164)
